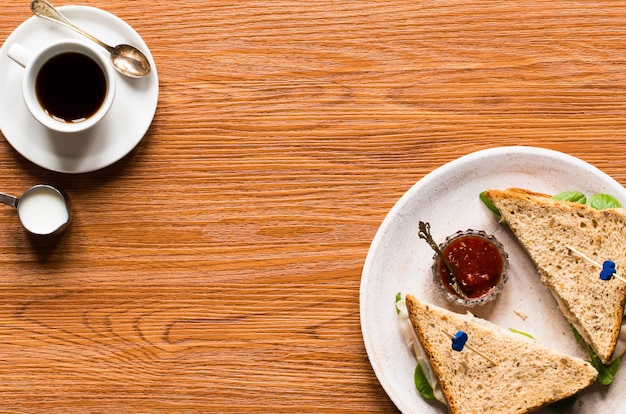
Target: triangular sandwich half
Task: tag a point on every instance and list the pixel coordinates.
(497, 371)
(548, 230)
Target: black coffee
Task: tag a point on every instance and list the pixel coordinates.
(70, 87)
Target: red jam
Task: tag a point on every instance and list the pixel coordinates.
(477, 263)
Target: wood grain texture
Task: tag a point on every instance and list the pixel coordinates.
(217, 267)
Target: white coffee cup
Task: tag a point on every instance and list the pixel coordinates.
(82, 89)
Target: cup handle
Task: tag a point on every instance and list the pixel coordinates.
(19, 54)
(9, 200)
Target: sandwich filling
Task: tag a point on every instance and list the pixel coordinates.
(620, 347)
(411, 340)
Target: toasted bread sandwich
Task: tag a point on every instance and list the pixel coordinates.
(567, 241)
(496, 371)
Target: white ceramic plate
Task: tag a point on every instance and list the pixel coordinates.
(448, 198)
(117, 134)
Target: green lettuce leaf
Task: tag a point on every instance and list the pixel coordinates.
(603, 201)
(572, 196)
(522, 333)
(398, 299)
(490, 205)
(606, 373)
(421, 383)
(577, 335)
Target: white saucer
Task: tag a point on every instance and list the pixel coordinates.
(117, 134)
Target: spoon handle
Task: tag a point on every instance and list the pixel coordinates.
(9, 200)
(44, 9)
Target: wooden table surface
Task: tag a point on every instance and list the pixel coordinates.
(217, 267)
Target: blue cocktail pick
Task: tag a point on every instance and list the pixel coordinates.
(608, 270)
(458, 341)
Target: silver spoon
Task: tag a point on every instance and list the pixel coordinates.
(127, 59)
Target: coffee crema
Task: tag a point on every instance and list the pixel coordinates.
(71, 87)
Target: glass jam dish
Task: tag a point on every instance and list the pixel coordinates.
(480, 267)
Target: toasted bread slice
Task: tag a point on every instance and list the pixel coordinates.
(497, 372)
(546, 229)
